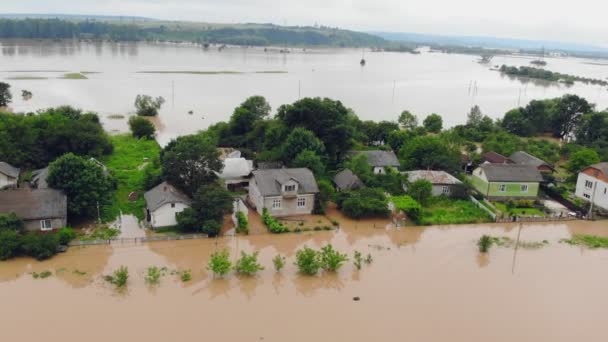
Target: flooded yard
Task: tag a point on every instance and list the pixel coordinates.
(424, 284)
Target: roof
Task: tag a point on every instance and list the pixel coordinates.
(270, 181)
(602, 167)
(39, 178)
(34, 204)
(496, 158)
(379, 158)
(524, 158)
(511, 173)
(9, 170)
(435, 177)
(162, 194)
(346, 180)
(236, 168)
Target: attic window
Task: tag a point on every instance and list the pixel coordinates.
(289, 188)
(172, 205)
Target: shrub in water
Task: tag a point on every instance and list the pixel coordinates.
(242, 224)
(40, 246)
(219, 263)
(332, 260)
(65, 235)
(308, 261)
(279, 262)
(358, 260)
(185, 276)
(119, 278)
(484, 243)
(10, 241)
(248, 264)
(153, 275)
(272, 224)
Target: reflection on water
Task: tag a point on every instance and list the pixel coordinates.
(390, 82)
(420, 279)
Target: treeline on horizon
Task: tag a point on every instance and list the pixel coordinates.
(551, 76)
(246, 35)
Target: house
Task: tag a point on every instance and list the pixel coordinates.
(524, 158)
(236, 172)
(9, 175)
(495, 158)
(443, 183)
(507, 181)
(283, 192)
(379, 160)
(39, 178)
(346, 180)
(40, 210)
(592, 185)
(163, 202)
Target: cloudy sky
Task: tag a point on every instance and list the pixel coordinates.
(582, 21)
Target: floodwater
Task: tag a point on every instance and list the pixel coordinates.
(447, 84)
(424, 284)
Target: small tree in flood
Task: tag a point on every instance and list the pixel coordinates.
(248, 264)
(119, 278)
(484, 243)
(358, 260)
(332, 260)
(279, 262)
(219, 263)
(148, 106)
(308, 261)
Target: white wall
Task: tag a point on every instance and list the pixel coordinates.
(165, 215)
(289, 206)
(601, 190)
(6, 180)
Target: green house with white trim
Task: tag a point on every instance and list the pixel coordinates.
(507, 181)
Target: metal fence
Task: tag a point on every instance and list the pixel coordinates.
(490, 212)
(535, 219)
(137, 240)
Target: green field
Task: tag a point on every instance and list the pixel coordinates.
(448, 211)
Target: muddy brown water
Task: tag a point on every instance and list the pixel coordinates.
(424, 284)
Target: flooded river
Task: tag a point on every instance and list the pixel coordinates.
(424, 284)
(389, 83)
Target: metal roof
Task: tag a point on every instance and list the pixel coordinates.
(162, 194)
(511, 173)
(270, 181)
(34, 204)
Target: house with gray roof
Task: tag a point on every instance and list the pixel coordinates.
(40, 210)
(284, 192)
(379, 160)
(346, 180)
(163, 202)
(444, 184)
(507, 181)
(524, 158)
(9, 175)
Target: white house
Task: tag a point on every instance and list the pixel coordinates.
(443, 183)
(9, 175)
(283, 192)
(592, 185)
(163, 202)
(379, 160)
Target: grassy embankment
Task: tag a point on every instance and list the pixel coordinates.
(518, 211)
(590, 241)
(128, 164)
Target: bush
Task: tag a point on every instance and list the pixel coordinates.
(141, 127)
(484, 243)
(219, 263)
(421, 190)
(273, 225)
(308, 261)
(11, 222)
(185, 276)
(242, 224)
(119, 278)
(153, 275)
(279, 262)
(248, 264)
(65, 235)
(409, 205)
(358, 260)
(40, 246)
(332, 260)
(147, 106)
(366, 202)
(10, 242)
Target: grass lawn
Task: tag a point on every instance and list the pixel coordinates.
(448, 211)
(126, 164)
(518, 211)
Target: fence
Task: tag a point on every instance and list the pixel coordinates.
(490, 212)
(137, 240)
(535, 219)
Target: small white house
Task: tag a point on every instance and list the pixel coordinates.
(592, 185)
(9, 175)
(444, 184)
(163, 202)
(379, 160)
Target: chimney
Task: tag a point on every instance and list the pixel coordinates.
(165, 188)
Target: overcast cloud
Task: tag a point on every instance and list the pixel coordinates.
(582, 21)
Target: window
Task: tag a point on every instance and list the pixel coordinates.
(172, 205)
(276, 204)
(588, 184)
(445, 189)
(524, 188)
(45, 225)
(290, 188)
(502, 187)
(301, 202)
(587, 196)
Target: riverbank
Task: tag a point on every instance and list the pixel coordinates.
(416, 273)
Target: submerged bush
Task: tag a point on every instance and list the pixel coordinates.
(242, 226)
(185, 276)
(308, 261)
(119, 278)
(273, 225)
(10, 242)
(279, 262)
(332, 260)
(248, 264)
(65, 235)
(219, 263)
(39, 246)
(358, 260)
(153, 275)
(484, 243)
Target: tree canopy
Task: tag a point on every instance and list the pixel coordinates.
(433, 123)
(5, 94)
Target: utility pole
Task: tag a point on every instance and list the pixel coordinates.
(590, 213)
(98, 214)
(299, 89)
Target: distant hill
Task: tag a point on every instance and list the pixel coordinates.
(492, 43)
(73, 17)
(136, 28)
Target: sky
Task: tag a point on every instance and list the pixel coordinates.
(581, 21)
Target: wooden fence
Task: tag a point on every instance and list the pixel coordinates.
(137, 240)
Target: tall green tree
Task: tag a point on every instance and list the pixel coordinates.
(408, 120)
(433, 123)
(568, 112)
(84, 182)
(429, 153)
(191, 161)
(300, 140)
(582, 159)
(209, 205)
(258, 106)
(503, 142)
(592, 130)
(141, 127)
(5, 94)
(310, 160)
